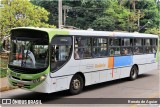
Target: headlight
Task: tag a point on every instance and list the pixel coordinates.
(43, 77)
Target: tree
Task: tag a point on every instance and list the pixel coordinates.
(104, 24)
(154, 30)
(120, 15)
(19, 13)
(82, 14)
(126, 15)
(52, 7)
(144, 11)
(86, 13)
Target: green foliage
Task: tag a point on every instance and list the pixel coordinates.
(104, 24)
(18, 13)
(3, 67)
(3, 73)
(154, 30)
(120, 15)
(52, 7)
(86, 13)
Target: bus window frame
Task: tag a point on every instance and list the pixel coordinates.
(100, 46)
(83, 47)
(108, 46)
(114, 46)
(50, 52)
(131, 46)
(138, 46)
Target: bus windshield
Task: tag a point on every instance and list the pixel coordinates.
(29, 52)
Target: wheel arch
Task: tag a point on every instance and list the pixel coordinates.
(136, 65)
(82, 75)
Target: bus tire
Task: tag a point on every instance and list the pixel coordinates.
(76, 85)
(133, 73)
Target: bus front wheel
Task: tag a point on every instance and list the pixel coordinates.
(133, 73)
(76, 85)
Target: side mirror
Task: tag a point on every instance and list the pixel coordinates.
(6, 44)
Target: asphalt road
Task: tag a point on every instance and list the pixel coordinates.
(145, 86)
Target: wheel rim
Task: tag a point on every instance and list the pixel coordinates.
(76, 84)
(134, 73)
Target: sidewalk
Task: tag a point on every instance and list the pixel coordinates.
(4, 85)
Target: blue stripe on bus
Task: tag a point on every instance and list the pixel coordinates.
(122, 61)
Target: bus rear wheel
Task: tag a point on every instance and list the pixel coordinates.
(76, 85)
(133, 73)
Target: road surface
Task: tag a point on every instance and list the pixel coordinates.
(146, 86)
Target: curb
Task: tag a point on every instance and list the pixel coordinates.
(6, 88)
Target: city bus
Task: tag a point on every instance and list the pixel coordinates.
(49, 60)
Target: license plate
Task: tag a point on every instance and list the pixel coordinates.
(20, 84)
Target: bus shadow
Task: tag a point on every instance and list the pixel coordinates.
(58, 96)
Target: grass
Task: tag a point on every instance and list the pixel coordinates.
(3, 67)
(3, 73)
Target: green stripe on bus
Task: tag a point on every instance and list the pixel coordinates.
(54, 32)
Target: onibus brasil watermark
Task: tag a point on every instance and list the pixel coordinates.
(17, 101)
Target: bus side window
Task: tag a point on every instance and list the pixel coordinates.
(138, 46)
(127, 44)
(82, 47)
(99, 47)
(154, 46)
(114, 46)
(147, 46)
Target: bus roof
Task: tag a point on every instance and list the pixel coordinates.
(53, 31)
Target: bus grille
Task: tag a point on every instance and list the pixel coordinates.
(21, 79)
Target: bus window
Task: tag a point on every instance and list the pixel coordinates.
(99, 47)
(114, 46)
(83, 47)
(127, 42)
(138, 46)
(60, 52)
(147, 46)
(127, 46)
(114, 41)
(138, 42)
(126, 51)
(114, 51)
(154, 45)
(138, 50)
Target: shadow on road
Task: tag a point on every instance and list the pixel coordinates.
(54, 97)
